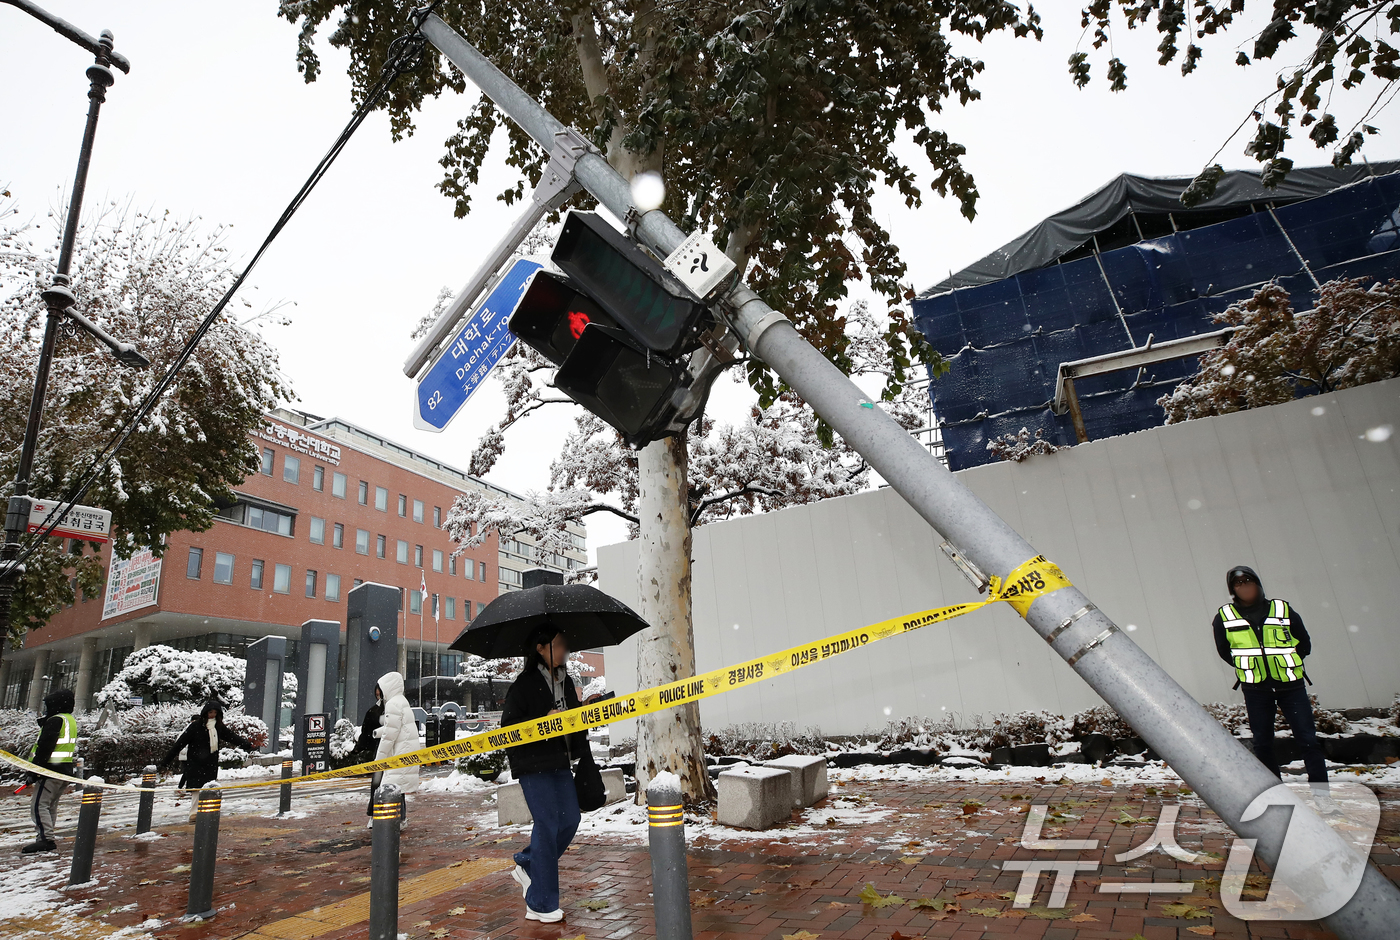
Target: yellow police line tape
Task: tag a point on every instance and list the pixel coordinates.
(1021, 587)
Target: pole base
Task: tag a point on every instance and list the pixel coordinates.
(194, 918)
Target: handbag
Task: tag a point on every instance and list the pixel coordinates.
(588, 784)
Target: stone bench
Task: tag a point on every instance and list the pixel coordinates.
(755, 797)
(511, 809)
(809, 784)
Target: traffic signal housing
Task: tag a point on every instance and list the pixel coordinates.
(632, 344)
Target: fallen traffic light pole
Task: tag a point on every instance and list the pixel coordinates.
(1216, 765)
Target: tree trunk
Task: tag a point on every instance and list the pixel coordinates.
(669, 740)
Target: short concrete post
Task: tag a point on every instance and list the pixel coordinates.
(147, 801)
(285, 806)
(384, 864)
(670, 880)
(206, 846)
(79, 768)
(86, 840)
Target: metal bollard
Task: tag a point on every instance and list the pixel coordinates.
(78, 771)
(206, 845)
(384, 864)
(285, 806)
(86, 839)
(670, 880)
(147, 800)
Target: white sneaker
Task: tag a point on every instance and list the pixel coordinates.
(521, 879)
(553, 917)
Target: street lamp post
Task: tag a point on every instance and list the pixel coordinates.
(59, 299)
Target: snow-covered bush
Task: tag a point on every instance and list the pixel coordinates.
(289, 689)
(18, 731)
(144, 735)
(765, 741)
(1017, 447)
(1235, 719)
(170, 675)
(1101, 719)
(343, 738)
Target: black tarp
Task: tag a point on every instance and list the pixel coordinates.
(1147, 196)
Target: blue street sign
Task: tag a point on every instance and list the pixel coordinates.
(473, 352)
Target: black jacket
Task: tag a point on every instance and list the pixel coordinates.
(529, 697)
(367, 743)
(1255, 614)
(56, 703)
(196, 739)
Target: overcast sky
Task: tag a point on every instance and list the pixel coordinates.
(214, 121)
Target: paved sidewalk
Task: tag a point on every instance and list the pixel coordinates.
(935, 843)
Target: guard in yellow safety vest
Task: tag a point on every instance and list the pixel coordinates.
(1265, 641)
(54, 749)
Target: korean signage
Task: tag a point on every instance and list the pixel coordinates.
(300, 442)
(132, 583)
(315, 743)
(80, 522)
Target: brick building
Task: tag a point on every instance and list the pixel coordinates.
(332, 505)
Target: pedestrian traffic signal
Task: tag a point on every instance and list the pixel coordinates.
(626, 335)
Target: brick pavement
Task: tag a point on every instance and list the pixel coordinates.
(935, 844)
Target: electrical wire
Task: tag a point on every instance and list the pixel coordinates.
(405, 54)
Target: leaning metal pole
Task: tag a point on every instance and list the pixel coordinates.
(1194, 744)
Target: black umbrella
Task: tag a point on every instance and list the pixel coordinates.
(586, 616)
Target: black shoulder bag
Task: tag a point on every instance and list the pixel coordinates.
(588, 784)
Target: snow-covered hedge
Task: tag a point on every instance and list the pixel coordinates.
(343, 738)
(18, 731)
(140, 736)
(171, 675)
(765, 742)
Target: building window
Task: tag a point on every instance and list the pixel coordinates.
(269, 520)
(437, 560)
(483, 571)
(364, 493)
(338, 536)
(403, 505)
(338, 485)
(510, 576)
(362, 541)
(318, 479)
(449, 608)
(318, 531)
(310, 583)
(268, 456)
(437, 517)
(451, 564)
(282, 579)
(381, 499)
(468, 566)
(223, 568)
(418, 556)
(402, 554)
(415, 601)
(379, 543)
(193, 565)
(332, 587)
(417, 510)
(480, 607)
(358, 582)
(291, 469)
(255, 582)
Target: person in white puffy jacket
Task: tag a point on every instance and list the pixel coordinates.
(397, 734)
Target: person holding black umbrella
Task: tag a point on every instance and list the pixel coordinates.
(544, 687)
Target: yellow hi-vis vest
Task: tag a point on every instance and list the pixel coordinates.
(67, 745)
(1274, 657)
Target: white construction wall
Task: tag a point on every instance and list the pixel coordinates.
(1145, 524)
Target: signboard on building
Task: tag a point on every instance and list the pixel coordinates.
(297, 440)
(80, 522)
(473, 352)
(316, 743)
(132, 583)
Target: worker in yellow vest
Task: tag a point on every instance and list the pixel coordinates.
(1265, 641)
(54, 750)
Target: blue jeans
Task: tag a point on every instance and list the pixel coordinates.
(554, 804)
(1260, 704)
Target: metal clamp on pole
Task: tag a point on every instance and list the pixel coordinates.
(384, 863)
(147, 801)
(86, 839)
(556, 185)
(284, 805)
(206, 846)
(670, 879)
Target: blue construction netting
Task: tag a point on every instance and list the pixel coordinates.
(1005, 340)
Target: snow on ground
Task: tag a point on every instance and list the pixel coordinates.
(455, 782)
(32, 906)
